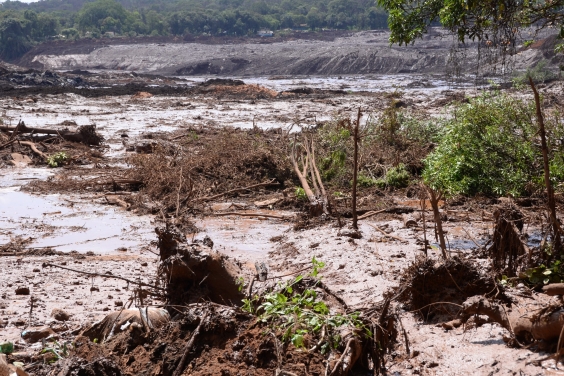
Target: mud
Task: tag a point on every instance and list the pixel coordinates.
(73, 203)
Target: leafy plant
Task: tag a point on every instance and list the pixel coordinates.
(554, 273)
(6, 348)
(60, 351)
(488, 147)
(300, 194)
(396, 177)
(296, 315)
(57, 159)
(539, 73)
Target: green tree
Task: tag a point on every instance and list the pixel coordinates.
(101, 12)
(495, 22)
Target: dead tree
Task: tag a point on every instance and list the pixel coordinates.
(434, 197)
(556, 241)
(317, 196)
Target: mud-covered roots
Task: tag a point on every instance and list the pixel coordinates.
(191, 272)
(507, 244)
(434, 287)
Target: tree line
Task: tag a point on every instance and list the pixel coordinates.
(23, 25)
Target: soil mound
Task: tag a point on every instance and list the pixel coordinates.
(430, 285)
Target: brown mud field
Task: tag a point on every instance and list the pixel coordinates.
(154, 231)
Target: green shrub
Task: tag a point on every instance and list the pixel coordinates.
(396, 177)
(57, 159)
(539, 73)
(487, 147)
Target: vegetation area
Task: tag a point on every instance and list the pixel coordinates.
(22, 25)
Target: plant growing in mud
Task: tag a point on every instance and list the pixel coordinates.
(487, 147)
(57, 159)
(60, 351)
(298, 315)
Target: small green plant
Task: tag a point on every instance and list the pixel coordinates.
(60, 351)
(396, 177)
(554, 273)
(527, 43)
(240, 283)
(366, 181)
(300, 194)
(57, 159)
(296, 315)
(6, 348)
(540, 73)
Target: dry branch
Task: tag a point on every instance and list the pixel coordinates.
(254, 215)
(104, 275)
(182, 365)
(210, 198)
(33, 148)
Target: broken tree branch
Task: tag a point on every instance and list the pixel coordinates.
(180, 368)
(209, 198)
(34, 148)
(104, 275)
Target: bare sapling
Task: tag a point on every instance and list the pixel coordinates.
(423, 204)
(316, 196)
(434, 198)
(355, 170)
(556, 243)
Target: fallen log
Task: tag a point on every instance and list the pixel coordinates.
(253, 215)
(525, 326)
(85, 134)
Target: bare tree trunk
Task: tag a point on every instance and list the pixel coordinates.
(355, 170)
(556, 245)
(435, 197)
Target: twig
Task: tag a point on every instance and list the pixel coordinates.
(388, 235)
(180, 368)
(253, 215)
(209, 198)
(342, 356)
(104, 275)
(371, 214)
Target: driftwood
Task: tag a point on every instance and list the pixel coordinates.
(554, 289)
(85, 134)
(104, 275)
(253, 215)
(34, 148)
(527, 326)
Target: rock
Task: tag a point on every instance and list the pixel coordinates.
(118, 321)
(60, 315)
(269, 202)
(22, 291)
(34, 335)
(118, 303)
(141, 95)
(207, 242)
(20, 160)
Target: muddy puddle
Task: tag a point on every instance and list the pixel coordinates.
(66, 224)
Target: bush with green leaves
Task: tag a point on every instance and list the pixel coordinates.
(295, 315)
(488, 146)
(396, 177)
(57, 159)
(540, 73)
